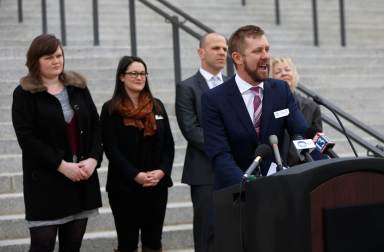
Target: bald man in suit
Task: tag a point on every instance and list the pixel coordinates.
(197, 172)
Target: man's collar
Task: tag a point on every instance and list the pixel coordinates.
(245, 86)
(207, 75)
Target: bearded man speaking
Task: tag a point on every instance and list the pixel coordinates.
(244, 111)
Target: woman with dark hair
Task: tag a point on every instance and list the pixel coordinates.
(58, 130)
(139, 146)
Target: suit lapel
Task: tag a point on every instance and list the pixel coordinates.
(241, 112)
(267, 110)
(201, 82)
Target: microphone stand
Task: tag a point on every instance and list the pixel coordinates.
(318, 100)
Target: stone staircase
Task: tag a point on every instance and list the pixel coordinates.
(350, 77)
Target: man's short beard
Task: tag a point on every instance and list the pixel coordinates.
(253, 74)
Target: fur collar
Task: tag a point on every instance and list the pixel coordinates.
(71, 78)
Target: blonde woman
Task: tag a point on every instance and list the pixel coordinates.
(284, 69)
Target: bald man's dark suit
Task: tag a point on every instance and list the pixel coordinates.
(197, 170)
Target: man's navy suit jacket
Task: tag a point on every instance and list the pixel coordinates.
(230, 136)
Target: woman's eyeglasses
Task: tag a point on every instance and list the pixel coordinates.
(136, 74)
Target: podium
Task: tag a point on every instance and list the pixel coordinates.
(323, 206)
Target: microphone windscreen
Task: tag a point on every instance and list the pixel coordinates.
(273, 139)
(264, 151)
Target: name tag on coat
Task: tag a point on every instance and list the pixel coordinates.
(281, 113)
(159, 117)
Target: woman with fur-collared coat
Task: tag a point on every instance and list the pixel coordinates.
(58, 130)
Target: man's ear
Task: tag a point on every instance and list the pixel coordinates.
(237, 58)
(201, 52)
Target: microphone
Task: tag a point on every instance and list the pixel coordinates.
(273, 140)
(263, 151)
(324, 145)
(304, 148)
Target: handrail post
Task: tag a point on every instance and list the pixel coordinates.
(315, 26)
(62, 23)
(20, 10)
(44, 15)
(342, 23)
(243, 3)
(132, 23)
(176, 48)
(277, 12)
(95, 12)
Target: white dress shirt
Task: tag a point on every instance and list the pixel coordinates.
(248, 95)
(212, 80)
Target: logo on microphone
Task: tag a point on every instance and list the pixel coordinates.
(304, 144)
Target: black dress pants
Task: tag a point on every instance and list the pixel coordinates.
(202, 199)
(139, 210)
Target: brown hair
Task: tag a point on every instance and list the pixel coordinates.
(44, 44)
(236, 41)
(119, 94)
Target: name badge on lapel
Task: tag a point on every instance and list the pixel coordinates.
(158, 117)
(281, 113)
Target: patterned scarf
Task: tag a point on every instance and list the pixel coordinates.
(141, 117)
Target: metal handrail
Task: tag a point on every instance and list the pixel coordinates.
(343, 40)
(63, 26)
(62, 22)
(362, 126)
(315, 24)
(132, 25)
(186, 16)
(277, 12)
(230, 68)
(20, 10)
(367, 129)
(170, 18)
(44, 15)
(342, 23)
(95, 13)
(176, 37)
(354, 136)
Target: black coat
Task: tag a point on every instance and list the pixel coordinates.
(40, 128)
(129, 152)
(312, 114)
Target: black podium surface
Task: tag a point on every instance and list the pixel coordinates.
(295, 209)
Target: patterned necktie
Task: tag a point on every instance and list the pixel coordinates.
(257, 107)
(215, 80)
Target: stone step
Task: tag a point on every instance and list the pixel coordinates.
(5, 112)
(7, 131)
(160, 50)
(8, 138)
(12, 200)
(73, 61)
(14, 226)
(176, 238)
(12, 159)
(370, 94)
